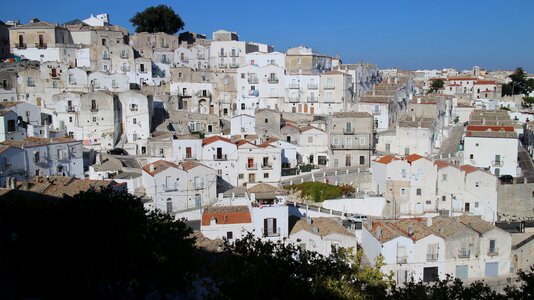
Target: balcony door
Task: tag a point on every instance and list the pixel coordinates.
(219, 153)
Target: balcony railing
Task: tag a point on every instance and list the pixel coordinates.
(199, 186)
(40, 45)
(124, 55)
(203, 93)
(222, 54)
(189, 157)
(496, 163)
(293, 85)
(294, 99)
(222, 65)
(20, 46)
(350, 146)
(184, 95)
(254, 93)
(273, 80)
(329, 87)
(376, 112)
(493, 252)
(312, 86)
(267, 166)
(464, 253)
(271, 232)
(134, 107)
(313, 99)
(431, 256)
(125, 69)
(348, 130)
(165, 61)
(94, 109)
(105, 57)
(253, 80)
(402, 259)
(220, 157)
(70, 109)
(234, 65)
(251, 166)
(234, 54)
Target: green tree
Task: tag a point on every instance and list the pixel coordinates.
(159, 18)
(436, 85)
(94, 245)
(525, 290)
(256, 269)
(518, 84)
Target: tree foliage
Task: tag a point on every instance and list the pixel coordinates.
(436, 85)
(161, 18)
(96, 244)
(518, 84)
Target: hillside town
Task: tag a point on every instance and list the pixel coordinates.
(435, 166)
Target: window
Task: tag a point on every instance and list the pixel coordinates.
(241, 176)
(94, 119)
(161, 151)
(443, 198)
(418, 192)
(476, 204)
(36, 156)
(428, 202)
(242, 106)
(444, 177)
(265, 175)
(229, 235)
(403, 173)
(30, 82)
(477, 184)
(403, 191)
(492, 249)
(134, 120)
(310, 139)
(406, 151)
(362, 160)
(11, 125)
(169, 205)
(471, 156)
(103, 42)
(70, 119)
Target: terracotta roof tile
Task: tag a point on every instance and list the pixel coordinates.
(386, 159)
(468, 168)
(238, 214)
(213, 139)
(413, 157)
(159, 166)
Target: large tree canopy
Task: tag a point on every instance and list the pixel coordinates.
(161, 18)
(519, 84)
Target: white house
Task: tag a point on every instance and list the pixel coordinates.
(242, 125)
(492, 147)
(221, 155)
(229, 222)
(258, 163)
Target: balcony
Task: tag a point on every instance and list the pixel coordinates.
(201, 56)
(105, 57)
(497, 163)
(134, 107)
(267, 166)
(40, 45)
(234, 65)
(43, 162)
(94, 109)
(199, 186)
(431, 256)
(165, 61)
(312, 99)
(253, 80)
(376, 112)
(254, 93)
(203, 94)
(293, 85)
(270, 232)
(348, 130)
(493, 252)
(164, 45)
(220, 157)
(222, 65)
(252, 166)
(354, 146)
(222, 54)
(294, 99)
(312, 86)
(167, 188)
(70, 109)
(329, 87)
(124, 55)
(273, 80)
(20, 46)
(402, 259)
(125, 69)
(184, 94)
(189, 157)
(234, 54)
(464, 253)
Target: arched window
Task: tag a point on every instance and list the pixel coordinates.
(242, 106)
(169, 205)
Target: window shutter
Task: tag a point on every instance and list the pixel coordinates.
(274, 226)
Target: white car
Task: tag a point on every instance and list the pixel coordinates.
(357, 219)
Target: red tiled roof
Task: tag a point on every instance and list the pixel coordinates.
(468, 168)
(485, 82)
(412, 157)
(159, 166)
(240, 217)
(386, 159)
(441, 164)
(213, 139)
(489, 128)
(188, 165)
(460, 78)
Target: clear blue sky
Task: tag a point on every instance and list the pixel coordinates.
(408, 34)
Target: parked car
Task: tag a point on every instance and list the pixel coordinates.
(507, 178)
(357, 219)
(117, 151)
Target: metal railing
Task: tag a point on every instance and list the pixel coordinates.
(253, 80)
(464, 253)
(294, 99)
(402, 259)
(271, 232)
(253, 166)
(329, 87)
(40, 45)
(431, 256)
(348, 130)
(222, 65)
(493, 252)
(94, 109)
(199, 186)
(376, 112)
(496, 163)
(267, 166)
(312, 86)
(220, 157)
(70, 109)
(293, 85)
(134, 107)
(234, 54)
(222, 54)
(234, 65)
(272, 80)
(20, 46)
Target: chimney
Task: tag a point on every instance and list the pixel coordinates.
(378, 233)
(253, 197)
(315, 229)
(428, 222)
(99, 159)
(151, 168)
(410, 230)
(413, 118)
(418, 100)
(46, 132)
